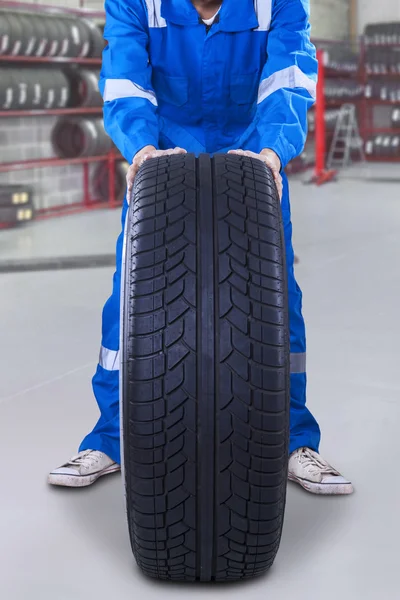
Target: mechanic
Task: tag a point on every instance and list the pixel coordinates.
(207, 76)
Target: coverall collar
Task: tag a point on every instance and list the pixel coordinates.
(231, 17)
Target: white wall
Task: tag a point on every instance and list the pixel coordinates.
(375, 11)
(330, 19)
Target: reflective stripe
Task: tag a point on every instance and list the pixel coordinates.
(291, 77)
(298, 362)
(109, 359)
(154, 14)
(263, 10)
(115, 89)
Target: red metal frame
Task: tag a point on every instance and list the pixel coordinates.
(88, 203)
(321, 175)
(50, 60)
(52, 111)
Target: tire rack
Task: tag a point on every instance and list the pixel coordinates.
(368, 104)
(321, 134)
(87, 203)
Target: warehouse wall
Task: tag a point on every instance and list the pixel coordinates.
(330, 19)
(370, 11)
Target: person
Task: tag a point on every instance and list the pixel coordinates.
(207, 76)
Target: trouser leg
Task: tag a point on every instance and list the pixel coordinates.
(105, 436)
(304, 429)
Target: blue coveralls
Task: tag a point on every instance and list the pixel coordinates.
(246, 83)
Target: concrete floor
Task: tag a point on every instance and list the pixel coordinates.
(73, 545)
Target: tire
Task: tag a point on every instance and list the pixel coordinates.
(204, 369)
(77, 138)
(95, 37)
(29, 35)
(8, 90)
(83, 84)
(43, 40)
(15, 31)
(24, 88)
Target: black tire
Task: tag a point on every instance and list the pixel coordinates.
(205, 369)
(76, 138)
(43, 38)
(55, 34)
(8, 90)
(64, 38)
(24, 87)
(29, 35)
(83, 84)
(95, 37)
(16, 34)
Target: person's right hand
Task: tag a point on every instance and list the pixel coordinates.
(145, 154)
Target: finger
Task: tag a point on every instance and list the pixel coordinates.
(180, 150)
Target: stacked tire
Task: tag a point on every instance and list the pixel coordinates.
(58, 35)
(383, 146)
(382, 61)
(383, 34)
(83, 85)
(80, 138)
(338, 57)
(45, 88)
(343, 89)
(16, 205)
(31, 89)
(383, 90)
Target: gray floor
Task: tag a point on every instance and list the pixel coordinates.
(73, 545)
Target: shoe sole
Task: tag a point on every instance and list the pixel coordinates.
(323, 489)
(78, 481)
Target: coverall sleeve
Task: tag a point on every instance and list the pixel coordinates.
(130, 104)
(288, 81)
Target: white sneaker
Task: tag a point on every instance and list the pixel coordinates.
(83, 469)
(315, 475)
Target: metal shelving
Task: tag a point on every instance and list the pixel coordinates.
(109, 160)
(51, 112)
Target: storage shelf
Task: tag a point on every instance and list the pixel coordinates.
(382, 45)
(53, 162)
(52, 111)
(391, 76)
(61, 60)
(334, 73)
(379, 101)
(391, 159)
(388, 130)
(82, 12)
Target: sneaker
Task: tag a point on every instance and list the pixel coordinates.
(314, 474)
(83, 469)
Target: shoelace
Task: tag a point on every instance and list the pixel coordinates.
(314, 463)
(86, 459)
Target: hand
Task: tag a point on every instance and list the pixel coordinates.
(145, 154)
(271, 159)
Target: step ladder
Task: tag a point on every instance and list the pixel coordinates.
(346, 138)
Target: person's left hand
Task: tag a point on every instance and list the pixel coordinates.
(271, 159)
